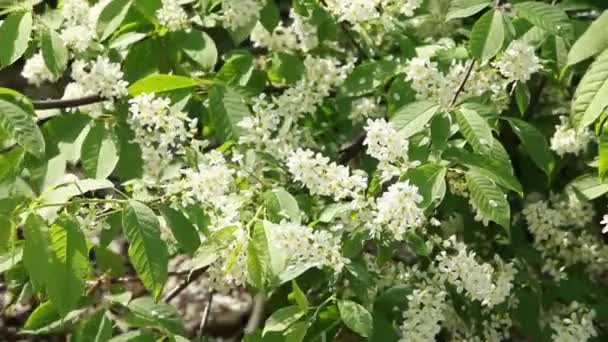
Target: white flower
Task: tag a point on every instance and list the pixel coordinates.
(518, 62)
(301, 246)
(574, 324)
(324, 178)
(385, 144)
(36, 72)
(173, 16)
(566, 140)
(238, 13)
(426, 309)
(354, 11)
(300, 35)
(159, 130)
(604, 222)
(478, 279)
(100, 77)
(77, 37)
(398, 211)
(75, 12)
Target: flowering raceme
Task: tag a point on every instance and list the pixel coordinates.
(397, 211)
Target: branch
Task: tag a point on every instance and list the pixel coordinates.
(68, 103)
(184, 284)
(462, 83)
(205, 316)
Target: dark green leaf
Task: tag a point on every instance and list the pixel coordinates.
(465, 8)
(591, 96)
(210, 249)
(281, 205)
(368, 76)
(184, 232)
(145, 312)
(99, 152)
(54, 52)
(148, 252)
(97, 328)
(299, 296)
(592, 42)
(548, 17)
(198, 46)
(36, 252)
(111, 16)
(488, 199)
(487, 36)
(227, 108)
(475, 129)
(19, 122)
(282, 319)
(411, 118)
(258, 257)
(535, 144)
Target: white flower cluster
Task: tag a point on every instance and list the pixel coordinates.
(100, 77)
(567, 140)
(300, 35)
(573, 324)
(230, 269)
(159, 130)
(365, 107)
(552, 222)
(303, 246)
(80, 20)
(36, 72)
(480, 280)
(518, 62)
(385, 144)
(430, 83)
(397, 211)
(173, 16)
(208, 184)
(604, 222)
(360, 11)
(426, 309)
(323, 177)
(238, 13)
(265, 129)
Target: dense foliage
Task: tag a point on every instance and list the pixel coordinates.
(385, 170)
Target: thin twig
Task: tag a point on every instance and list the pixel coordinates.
(67, 103)
(462, 83)
(205, 316)
(184, 284)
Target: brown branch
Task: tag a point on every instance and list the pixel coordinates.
(184, 284)
(462, 83)
(68, 103)
(205, 316)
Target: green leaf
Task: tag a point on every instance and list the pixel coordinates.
(236, 70)
(210, 249)
(42, 316)
(10, 259)
(299, 296)
(145, 312)
(281, 205)
(488, 198)
(475, 129)
(10, 163)
(111, 16)
(589, 186)
(356, 317)
(411, 118)
(99, 152)
(547, 17)
(297, 331)
(603, 154)
(270, 16)
(159, 83)
(97, 328)
(184, 232)
(19, 121)
(534, 143)
(258, 258)
(227, 108)
(282, 319)
(69, 265)
(14, 37)
(286, 68)
(147, 250)
(591, 96)
(487, 36)
(430, 180)
(592, 42)
(465, 8)
(496, 165)
(368, 76)
(522, 97)
(54, 52)
(36, 251)
(198, 46)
